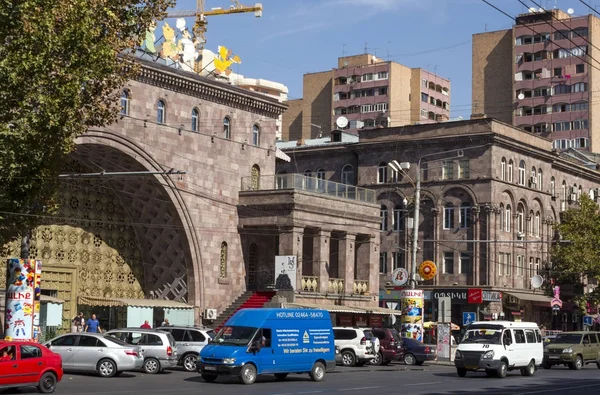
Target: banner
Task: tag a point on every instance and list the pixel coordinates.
(411, 320)
(20, 297)
(285, 272)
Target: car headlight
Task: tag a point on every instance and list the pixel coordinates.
(228, 361)
(458, 355)
(488, 355)
(567, 351)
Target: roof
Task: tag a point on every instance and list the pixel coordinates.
(347, 138)
(97, 301)
(345, 309)
(257, 317)
(507, 324)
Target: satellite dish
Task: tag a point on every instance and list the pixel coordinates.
(532, 10)
(521, 96)
(570, 11)
(341, 122)
(536, 281)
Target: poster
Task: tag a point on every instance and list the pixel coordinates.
(285, 272)
(411, 320)
(443, 341)
(20, 295)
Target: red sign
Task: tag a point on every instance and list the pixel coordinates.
(376, 321)
(475, 296)
(345, 320)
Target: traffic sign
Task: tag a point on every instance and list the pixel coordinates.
(468, 318)
(475, 296)
(400, 276)
(588, 320)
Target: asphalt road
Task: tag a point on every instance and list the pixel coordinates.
(394, 379)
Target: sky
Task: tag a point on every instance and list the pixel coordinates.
(295, 37)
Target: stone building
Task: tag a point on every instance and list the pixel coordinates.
(490, 194)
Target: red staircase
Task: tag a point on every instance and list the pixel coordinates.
(253, 300)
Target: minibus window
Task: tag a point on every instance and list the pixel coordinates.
(530, 336)
(507, 337)
(519, 336)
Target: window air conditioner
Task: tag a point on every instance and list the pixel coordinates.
(210, 314)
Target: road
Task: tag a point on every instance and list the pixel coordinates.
(393, 379)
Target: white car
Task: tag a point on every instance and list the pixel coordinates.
(190, 341)
(354, 344)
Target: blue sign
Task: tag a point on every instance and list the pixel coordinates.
(468, 318)
(588, 320)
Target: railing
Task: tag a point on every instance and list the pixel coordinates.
(335, 286)
(309, 184)
(361, 286)
(310, 284)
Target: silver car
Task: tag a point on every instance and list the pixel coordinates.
(190, 341)
(158, 347)
(94, 352)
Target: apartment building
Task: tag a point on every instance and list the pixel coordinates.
(366, 92)
(539, 76)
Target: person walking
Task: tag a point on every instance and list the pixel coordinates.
(93, 325)
(146, 325)
(166, 322)
(77, 323)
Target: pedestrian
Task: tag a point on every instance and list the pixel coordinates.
(166, 322)
(93, 325)
(77, 323)
(146, 325)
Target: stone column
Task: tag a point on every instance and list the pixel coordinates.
(346, 262)
(475, 259)
(372, 264)
(320, 255)
(290, 243)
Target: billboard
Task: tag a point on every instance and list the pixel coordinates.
(285, 272)
(20, 298)
(411, 320)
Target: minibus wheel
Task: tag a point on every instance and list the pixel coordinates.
(502, 370)
(317, 372)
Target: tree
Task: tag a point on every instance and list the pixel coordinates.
(62, 64)
(580, 255)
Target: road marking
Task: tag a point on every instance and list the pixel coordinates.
(360, 388)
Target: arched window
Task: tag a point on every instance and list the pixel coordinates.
(579, 193)
(348, 175)
(509, 177)
(255, 135)
(161, 112)
(530, 221)
(384, 218)
(465, 215)
(382, 173)
(552, 187)
(520, 218)
(308, 173)
(321, 174)
(503, 169)
(507, 218)
(227, 128)
(398, 219)
(308, 179)
(501, 216)
(522, 172)
(592, 194)
(449, 216)
(540, 179)
(255, 177)
(125, 99)
(195, 116)
(533, 180)
(223, 261)
(564, 196)
(536, 225)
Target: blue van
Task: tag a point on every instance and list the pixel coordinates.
(271, 341)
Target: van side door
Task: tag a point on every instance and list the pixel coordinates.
(519, 348)
(265, 356)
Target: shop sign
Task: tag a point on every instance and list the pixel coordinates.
(376, 321)
(461, 296)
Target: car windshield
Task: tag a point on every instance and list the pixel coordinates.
(212, 334)
(235, 335)
(117, 341)
(483, 335)
(567, 338)
(395, 335)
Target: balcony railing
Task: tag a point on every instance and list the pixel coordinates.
(336, 286)
(310, 284)
(309, 184)
(361, 286)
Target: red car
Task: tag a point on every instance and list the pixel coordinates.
(24, 364)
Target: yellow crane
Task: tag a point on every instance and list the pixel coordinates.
(200, 14)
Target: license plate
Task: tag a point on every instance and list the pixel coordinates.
(210, 368)
(553, 357)
(471, 367)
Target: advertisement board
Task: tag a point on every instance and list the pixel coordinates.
(20, 297)
(411, 320)
(285, 272)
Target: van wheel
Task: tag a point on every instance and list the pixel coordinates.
(190, 363)
(151, 366)
(461, 372)
(209, 378)
(248, 374)
(502, 370)
(528, 370)
(317, 372)
(47, 383)
(348, 358)
(280, 376)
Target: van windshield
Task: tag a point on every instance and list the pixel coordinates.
(235, 335)
(483, 335)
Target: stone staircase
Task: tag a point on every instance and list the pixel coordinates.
(248, 299)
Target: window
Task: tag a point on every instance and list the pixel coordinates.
(501, 216)
(519, 336)
(537, 266)
(520, 218)
(463, 168)
(381, 107)
(194, 120)
(397, 260)
(223, 261)
(348, 175)
(382, 173)
(382, 75)
(398, 221)
(227, 128)
(531, 267)
(552, 186)
(509, 177)
(520, 263)
(501, 264)
(125, 98)
(449, 216)
(160, 112)
(320, 177)
(530, 223)
(255, 178)
(448, 262)
(180, 335)
(562, 35)
(448, 170)
(465, 217)
(503, 169)
(255, 135)
(522, 172)
(64, 341)
(424, 97)
(151, 340)
(367, 77)
(580, 68)
(558, 71)
(540, 179)
(383, 262)
(383, 214)
(196, 336)
(530, 336)
(507, 218)
(87, 341)
(31, 352)
(382, 91)
(536, 225)
(508, 262)
(465, 263)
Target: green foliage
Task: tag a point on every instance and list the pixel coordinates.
(59, 75)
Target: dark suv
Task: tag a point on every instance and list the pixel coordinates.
(390, 346)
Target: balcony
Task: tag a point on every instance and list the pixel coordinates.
(336, 286)
(308, 184)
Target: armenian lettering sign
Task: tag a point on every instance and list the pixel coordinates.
(411, 321)
(20, 297)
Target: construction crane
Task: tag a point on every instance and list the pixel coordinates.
(200, 14)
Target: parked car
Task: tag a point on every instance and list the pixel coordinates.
(355, 345)
(338, 355)
(414, 352)
(94, 352)
(573, 349)
(390, 346)
(27, 364)
(190, 341)
(158, 347)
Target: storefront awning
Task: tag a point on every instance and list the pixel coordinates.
(50, 299)
(97, 301)
(279, 154)
(537, 298)
(112, 302)
(343, 309)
